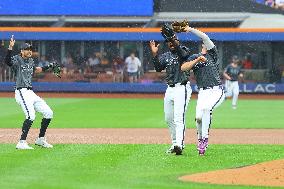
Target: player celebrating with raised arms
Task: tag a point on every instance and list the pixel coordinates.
(23, 68)
(179, 91)
(206, 70)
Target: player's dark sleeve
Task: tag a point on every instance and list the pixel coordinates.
(8, 58)
(226, 69)
(213, 53)
(183, 52)
(159, 63)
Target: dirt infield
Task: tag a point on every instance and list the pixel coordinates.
(147, 136)
(136, 95)
(263, 174)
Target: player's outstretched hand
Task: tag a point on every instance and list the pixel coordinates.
(154, 47)
(12, 43)
(202, 59)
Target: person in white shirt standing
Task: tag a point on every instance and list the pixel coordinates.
(133, 64)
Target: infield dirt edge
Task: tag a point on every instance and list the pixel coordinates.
(262, 174)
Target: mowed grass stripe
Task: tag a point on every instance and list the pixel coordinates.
(122, 166)
(143, 113)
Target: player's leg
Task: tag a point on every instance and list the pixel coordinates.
(189, 92)
(201, 99)
(169, 117)
(45, 110)
(201, 102)
(235, 95)
(180, 103)
(24, 99)
(214, 98)
(228, 88)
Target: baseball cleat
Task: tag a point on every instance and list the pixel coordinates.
(205, 143)
(23, 145)
(41, 141)
(178, 150)
(202, 146)
(234, 107)
(170, 150)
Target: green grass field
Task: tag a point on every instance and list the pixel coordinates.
(122, 166)
(130, 166)
(143, 113)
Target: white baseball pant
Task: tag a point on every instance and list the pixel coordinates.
(30, 103)
(175, 106)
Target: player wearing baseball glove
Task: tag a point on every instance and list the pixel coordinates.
(178, 92)
(54, 67)
(23, 67)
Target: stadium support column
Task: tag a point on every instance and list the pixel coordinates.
(62, 51)
(121, 49)
(42, 48)
(82, 49)
(140, 55)
(102, 47)
(220, 53)
(140, 51)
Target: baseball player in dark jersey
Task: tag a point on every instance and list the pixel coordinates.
(211, 94)
(231, 74)
(23, 67)
(178, 93)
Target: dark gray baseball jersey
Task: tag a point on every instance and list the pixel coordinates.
(171, 62)
(207, 74)
(233, 72)
(23, 70)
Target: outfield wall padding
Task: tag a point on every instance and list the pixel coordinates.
(85, 87)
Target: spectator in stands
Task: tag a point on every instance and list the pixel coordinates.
(79, 62)
(270, 3)
(94, 61)
(105, 62)
(43, 62)
(279, 4)
(133, 64)
(117, 69)
(68, 63)
(247, 63)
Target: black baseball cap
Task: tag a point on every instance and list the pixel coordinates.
(26, 46)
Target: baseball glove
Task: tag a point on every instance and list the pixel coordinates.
(167, 32)
(56, 69)
(179, 26)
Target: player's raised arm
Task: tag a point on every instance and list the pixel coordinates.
(9, 52)
(155, 59)
(184, 27)
(206, 40)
